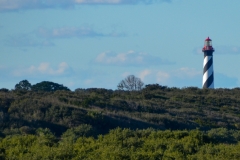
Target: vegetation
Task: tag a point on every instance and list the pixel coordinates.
(156, 122)
(23, 85)
(47, 86)
(122, 144)
(131, 83)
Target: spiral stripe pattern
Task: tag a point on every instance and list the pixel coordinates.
(208, 76)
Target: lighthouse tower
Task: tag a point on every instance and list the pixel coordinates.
(208, 77)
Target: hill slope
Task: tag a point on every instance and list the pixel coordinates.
(155, 106)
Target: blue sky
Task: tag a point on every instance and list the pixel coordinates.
(97, 43)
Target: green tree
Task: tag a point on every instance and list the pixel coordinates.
(73, 134)
(23, 85)
(4, 90)
(45, 137)
(48, 86)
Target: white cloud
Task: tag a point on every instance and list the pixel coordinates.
(227, 50)
(43, 37)
(197, 50)
(88, 81)
(144, 73)
(12, 5)
(69, 32)
(130, 58)
(178, 77)
(43, 68)
(162, 77)
(186, 77)
(230, 50)
(186, 72)
(78, 32)
(119, 58)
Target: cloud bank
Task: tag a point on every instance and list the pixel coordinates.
(71, 32)
(13, 5)
(27, 40)
(231, 50)
(43, 69)
(130, 58)
(227, 50)
(44, 37)
(180, 77)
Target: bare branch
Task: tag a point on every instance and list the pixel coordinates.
(131, 83)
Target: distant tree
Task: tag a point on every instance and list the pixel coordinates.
(131, 83)
(48, 86)
(154, 87)
(80, 90)
(4, 90)
(23, 85)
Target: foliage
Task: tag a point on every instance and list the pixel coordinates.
(48, 86)
(97, 123)
(4, 90)
(155, 106)
(120, 144)
(73, 134)
(23, 85)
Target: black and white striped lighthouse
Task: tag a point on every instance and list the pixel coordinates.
(208, 75)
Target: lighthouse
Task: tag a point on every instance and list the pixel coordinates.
(208, 75)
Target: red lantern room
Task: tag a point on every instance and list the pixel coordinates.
(208, 45)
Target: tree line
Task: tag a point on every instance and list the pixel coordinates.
(130, 83)
(123, 144)
(47, 86)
